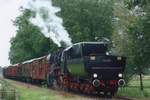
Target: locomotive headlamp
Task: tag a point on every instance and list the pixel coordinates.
(120, 75)
(119, 58)
(107, 53)
(92, 58)
(95, 75)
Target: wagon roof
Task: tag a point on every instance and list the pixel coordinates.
(31, 60)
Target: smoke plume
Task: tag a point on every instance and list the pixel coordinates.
(46, 19)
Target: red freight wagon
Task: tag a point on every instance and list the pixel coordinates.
(34, 69)
(40, 68)
(11, 71)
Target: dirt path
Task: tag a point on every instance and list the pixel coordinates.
(62, 94)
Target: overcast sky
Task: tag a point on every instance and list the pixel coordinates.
(9, 9)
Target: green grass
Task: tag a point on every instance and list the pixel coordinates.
(37, 93)
(133, 90)
(7, 91)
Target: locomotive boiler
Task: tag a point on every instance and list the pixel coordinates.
(85, 67)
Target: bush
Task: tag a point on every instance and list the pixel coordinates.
(8, 92)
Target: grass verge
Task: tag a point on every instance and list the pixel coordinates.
(7, 91)
(29, 92)
(133, 90)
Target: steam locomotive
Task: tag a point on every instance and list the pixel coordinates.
(85, 67)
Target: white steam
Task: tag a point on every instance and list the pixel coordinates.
(50, 24)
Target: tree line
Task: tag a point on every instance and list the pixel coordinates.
(125, 23)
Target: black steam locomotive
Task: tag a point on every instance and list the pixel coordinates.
(87, 66)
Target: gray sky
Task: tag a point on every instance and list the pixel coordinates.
(8, 11)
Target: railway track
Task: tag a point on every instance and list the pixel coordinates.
(122, 98)
(65, 94)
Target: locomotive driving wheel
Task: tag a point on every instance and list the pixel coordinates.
(65, 84)
(52, 81)
(55, 85)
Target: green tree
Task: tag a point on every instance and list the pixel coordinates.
(140, 39)
(29, 42)
(87, 20)
(120, 36)
(131, 35)
(132, 3)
